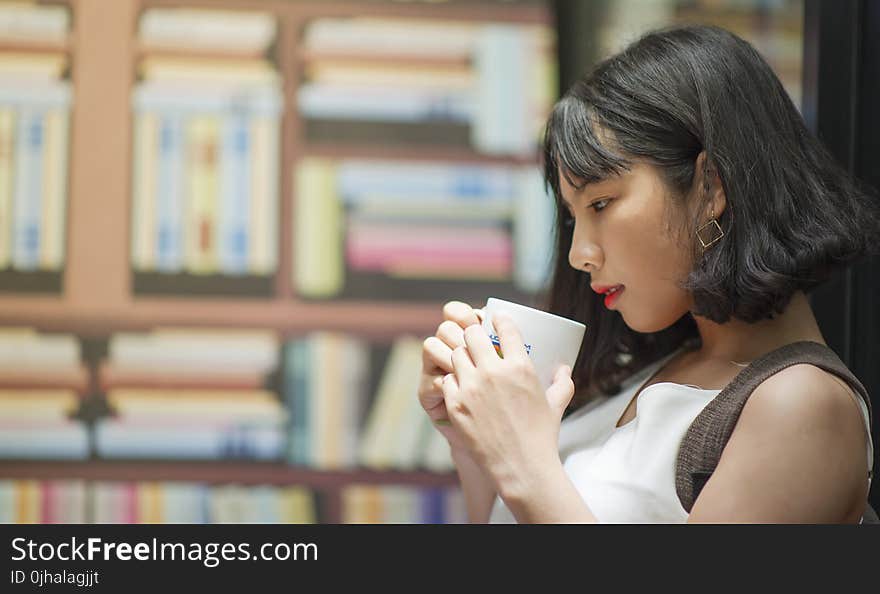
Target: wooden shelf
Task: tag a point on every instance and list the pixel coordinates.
(455, 10)
(216, 472)
(387, 59)
(35, 46)
(289, 317)
(169, 51)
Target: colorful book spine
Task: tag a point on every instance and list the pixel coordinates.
(170, 194)
(54, 190)
(7, 170)
(533, 232)
(299, 398)
(502, 114)
(144, 190)
(30, 140)
(200, 228)
(262, 233)
(235, 194)
(28, 504)
(318, 266)
(361, 182)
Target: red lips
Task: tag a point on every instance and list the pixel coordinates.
(601, 289)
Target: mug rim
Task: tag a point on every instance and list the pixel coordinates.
(533, 309)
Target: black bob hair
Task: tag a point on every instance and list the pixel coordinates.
(792, 216)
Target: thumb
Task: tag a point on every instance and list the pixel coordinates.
(561, 391)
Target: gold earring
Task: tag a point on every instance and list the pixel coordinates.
(718, 232)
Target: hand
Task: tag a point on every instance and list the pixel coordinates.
(437, 363)
(499, 408)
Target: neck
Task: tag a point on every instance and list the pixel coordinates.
(741, 342)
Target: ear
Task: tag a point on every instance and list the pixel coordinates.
(707, 181)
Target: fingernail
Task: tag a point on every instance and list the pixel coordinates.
(443, 422)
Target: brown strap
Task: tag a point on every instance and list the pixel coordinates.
(705, 439)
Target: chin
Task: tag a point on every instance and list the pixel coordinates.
(649, 324)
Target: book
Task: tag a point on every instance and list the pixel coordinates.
(28, 196)
(325, 406)
(233, 216)
(296, 506)
(7, 501)
(383, 103)
(318, 267)
(328, 71)
(149, 503)
(195, 98)
(501, 109)
(67, 440)
(385, 436)
(297, 395)
(170, 196)
(264, 195)
(108, 502)
(63, 502)
(201, 195)
(144, 191)
(367, 36)
(227, 504)
(183, 503)
(36, 406)
(7, 170)
(207, 29)
(28, 21)
(188, 350)
(28, 502)
(196, 441)
(27, 349)
(21, 67)
(363, 181)
(54, 202)
(112, 375)
(534, 232)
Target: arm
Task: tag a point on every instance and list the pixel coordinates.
(547, 497)
(479, 492)
(801, 439)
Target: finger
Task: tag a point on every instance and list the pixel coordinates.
(460, 313)
(561, 391)
(436, 353)
(451, 333)
(479, 346)
(462, 364)
(512, 346)
(450, 386)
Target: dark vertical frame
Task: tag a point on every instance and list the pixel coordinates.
(841, 103)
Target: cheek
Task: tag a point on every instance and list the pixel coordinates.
(656, 301)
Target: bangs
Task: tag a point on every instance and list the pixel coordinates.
(577, 143)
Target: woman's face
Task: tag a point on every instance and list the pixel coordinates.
(622, 236)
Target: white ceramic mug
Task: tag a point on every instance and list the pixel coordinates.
(550, 340)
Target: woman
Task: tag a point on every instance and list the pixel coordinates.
(695, 211)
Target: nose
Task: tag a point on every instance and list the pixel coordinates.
(584, 254)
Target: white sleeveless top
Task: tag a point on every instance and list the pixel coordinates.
(627, 474)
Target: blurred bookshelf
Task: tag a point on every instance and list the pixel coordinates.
(257, 210)
(209, 369)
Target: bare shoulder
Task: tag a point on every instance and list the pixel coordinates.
(802, 393)
(801, 437)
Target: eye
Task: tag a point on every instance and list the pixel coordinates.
(596, 205)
